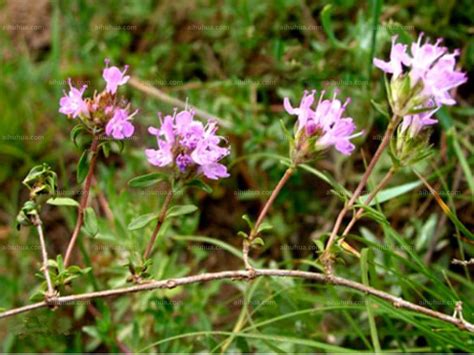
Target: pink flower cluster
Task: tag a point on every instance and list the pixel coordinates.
(431, 64)
(189, 146)
(102, 109)
(325, 122)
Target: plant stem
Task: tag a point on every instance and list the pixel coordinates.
(38, 224)
(159, 223)
(397, 302)
(84, 200)
(371, 196)
(254, 232)
(326, 256)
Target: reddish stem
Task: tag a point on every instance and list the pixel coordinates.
(326, 256)
(262, 215)
(371, 196)
(159, 223)
(84, 200)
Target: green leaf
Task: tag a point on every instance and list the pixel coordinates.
(181, 210)
(200, 185)
(246, 218)
(380, 108)
(75, 132)
(419, 110)
(62, 201)
(82, 167)
(243, 234)
(74, 269)
(391, 193)
(106, 149)
(120, 145)
(388, 89)
(263, 227)
(258, 241)
(91, 331)
(41, 180)
(37, 296)
(329, 180)
(376, 8)
(372, 213)
(365, 259)
(141, 221)
(60, 264)
(146, 180)
(91, 226)
(462, 159)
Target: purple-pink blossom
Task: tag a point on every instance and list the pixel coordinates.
(102, 113)
(430, 64)
(413, 124)
(119, 125)
(114, 77)
(72, 104)
(325, 122)
(188, 145)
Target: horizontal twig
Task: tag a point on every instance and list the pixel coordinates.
(398, 302)
(463, 262)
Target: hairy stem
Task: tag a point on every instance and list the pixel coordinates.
(159, 223)
(371, 196)
(397, 302)
(254, 232)
(84, 200)
(38, 224)
(326, 256)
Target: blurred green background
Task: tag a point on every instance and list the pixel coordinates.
(236, 60)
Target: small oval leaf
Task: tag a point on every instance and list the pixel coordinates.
(263, 227)
(180, 210)
(62, 201)
(82, 167)
(91, 226)
(146, 180)
(141, 221)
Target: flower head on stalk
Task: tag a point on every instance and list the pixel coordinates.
(320, 128)
(412, 138)
(104, 112)
(426, 74)
(188, 147)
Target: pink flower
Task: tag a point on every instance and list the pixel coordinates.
(72, 104)
(415, 123)
(186, 144)
(339, 134)
(429, 63)
(215, 171)
(303, 111)
(398, 56)
(160, 157)
(325, 122)
(119, 126)
(114, 77)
